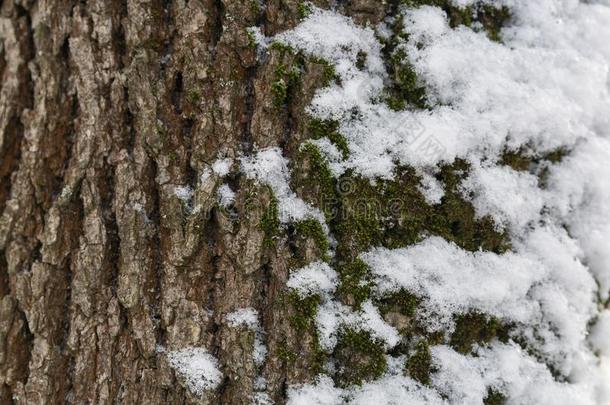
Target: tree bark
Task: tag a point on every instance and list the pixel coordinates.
(105, 108)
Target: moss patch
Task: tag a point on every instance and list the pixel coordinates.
(400, 301)
(475, 328)
(318, 129)
(420, 363)
(305, 310)
(313, 180)
(270, 223)
(359, 358)
(355, 283)
(494, 398)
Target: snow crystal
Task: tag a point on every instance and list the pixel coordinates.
(198, 368)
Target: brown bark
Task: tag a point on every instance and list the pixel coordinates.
(106, 106)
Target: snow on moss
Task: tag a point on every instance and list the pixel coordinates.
(543, 88)
(269, 167)
(316, 278)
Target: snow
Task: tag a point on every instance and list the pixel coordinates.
(431, 188)
(600, 335)
(197, 367)
(248, 317)
(512, 198)
(226, 196)
(222, 167)
(316, 278)
(545, 87)
(184, 193)
(269, 167)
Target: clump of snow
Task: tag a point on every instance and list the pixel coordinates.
(333, 317)
(184, 193)
(197, 367)
(600, 334)
(222, 167)
(248, 317)
(512, 198)
(268, 166)
(226, 196)
(315, 278)
(507, 369)
(323, 392)
(581, 197)
(431, 188)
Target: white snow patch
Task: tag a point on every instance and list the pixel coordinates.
(315, 278)
(248, 317)
(269, 167)
(222, 167)
(198, 368)
(226, 196)
(184, 193)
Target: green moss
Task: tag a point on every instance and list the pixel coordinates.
(330, 73)
(194, 97)
(270, 223)
(420, 363)
(394, 214)
(312, 229)
(315, 178)
(400, 301)
(285, 354)
(305, 310)
(304, 9)
(521, 160)
(359, 357)
(475, 328)
(493, 19)
(287, 75)
(517, 160)
(251, 39)
(494, 398)
(318, 128)
(255, 7)
(282, 48)
(455, 218)
(355, 283)
(407, 88)
(279, 89)
(361, 60)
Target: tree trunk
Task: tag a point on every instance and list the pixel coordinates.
(107, 108)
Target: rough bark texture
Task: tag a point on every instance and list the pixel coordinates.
(106, 106)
